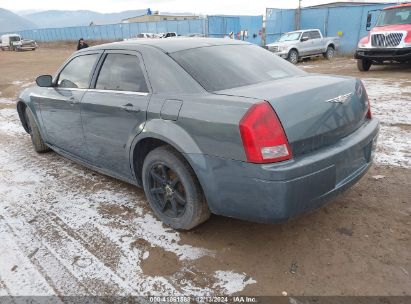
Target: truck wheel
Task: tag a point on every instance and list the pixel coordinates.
(293, 57)
(329, 54)
(363, 65)
(38, 143)
(172, 189)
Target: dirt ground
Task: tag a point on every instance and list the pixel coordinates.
(67, 230)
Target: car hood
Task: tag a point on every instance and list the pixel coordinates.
(283, 43)
(393, 27)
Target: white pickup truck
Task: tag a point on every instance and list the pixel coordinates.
(296, 45)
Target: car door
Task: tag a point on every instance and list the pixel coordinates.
(316, 42)
(305, 47)
(60, 104)
(114, 110)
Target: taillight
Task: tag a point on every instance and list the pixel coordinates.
(362, 93)
(369, 115)
(367, 100)
(263, 136)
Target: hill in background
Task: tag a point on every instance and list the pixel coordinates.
(10, 22)
(54, 18)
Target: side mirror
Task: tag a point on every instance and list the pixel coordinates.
(304, 39)
(44, 81)
(369, 18)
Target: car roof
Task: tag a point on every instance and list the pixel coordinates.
(303, 30)
(168, 45)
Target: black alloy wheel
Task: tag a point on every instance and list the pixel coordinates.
(173, 190)
(167, 190)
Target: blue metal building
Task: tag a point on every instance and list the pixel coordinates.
(348, 20)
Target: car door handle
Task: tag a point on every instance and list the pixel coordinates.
(72, 100)
(130, 108)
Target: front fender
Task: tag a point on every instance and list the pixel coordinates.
(23, 101)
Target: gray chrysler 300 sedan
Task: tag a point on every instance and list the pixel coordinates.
(205, 126)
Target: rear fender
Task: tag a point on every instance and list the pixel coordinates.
(169, 132)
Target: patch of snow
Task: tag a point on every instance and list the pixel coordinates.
(49, 209)
(6, 100)
(20, 276)
(8, 113)
(10, 123)
(232, 282)
(27, 84)
(11, 128)
(307, 66)
(394, 147)
(391, 104)
(22, 84)
(390, 101)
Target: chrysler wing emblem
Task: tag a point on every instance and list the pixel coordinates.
(340, 99)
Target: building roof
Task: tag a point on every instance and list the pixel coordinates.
(169, 45)
(182, 15)
(347, 3)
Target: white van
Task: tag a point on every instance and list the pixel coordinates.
(10, 42)
(14, 42)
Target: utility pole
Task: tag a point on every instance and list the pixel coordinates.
(298, 16)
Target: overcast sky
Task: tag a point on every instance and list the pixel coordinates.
(251, 7)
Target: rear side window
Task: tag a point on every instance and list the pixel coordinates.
(121, 72)
(229, 66)
(315, 35)
(77, 73)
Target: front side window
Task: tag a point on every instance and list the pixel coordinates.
(229, 66)
(290, 36)
(77, 73)
(121, 72)
(305, 35)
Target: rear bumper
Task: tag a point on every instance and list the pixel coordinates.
(277, 192)
(381, 54)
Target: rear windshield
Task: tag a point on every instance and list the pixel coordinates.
(230, 66)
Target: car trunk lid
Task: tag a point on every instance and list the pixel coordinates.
(315, 110)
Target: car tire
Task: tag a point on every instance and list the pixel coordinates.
(363, 65)
(329, 53)
(293, 57)
(38, 143)
(172, 189)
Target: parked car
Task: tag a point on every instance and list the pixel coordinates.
(389, 40)
(294, 46)
(167, 35)
(14, 42)
(28, 44)
(205, 125)
(196, 35)
(142, 36)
